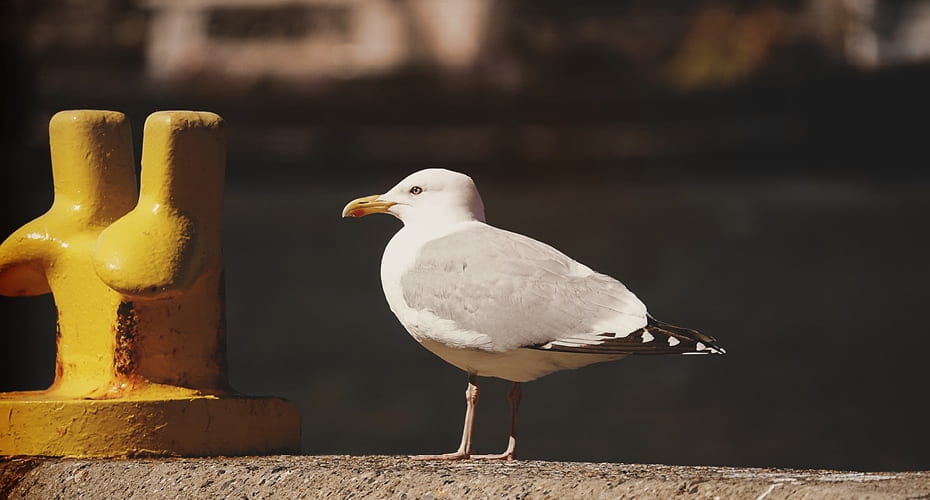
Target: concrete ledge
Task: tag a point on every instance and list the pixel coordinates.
(398, 477)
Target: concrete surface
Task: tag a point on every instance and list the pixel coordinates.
(399, 477)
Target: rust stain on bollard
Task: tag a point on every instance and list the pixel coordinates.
(125, 339)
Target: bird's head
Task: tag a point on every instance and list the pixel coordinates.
(434, 195)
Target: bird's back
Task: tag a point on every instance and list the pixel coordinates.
(490, 289)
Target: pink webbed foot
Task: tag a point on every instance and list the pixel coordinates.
(455, 455)
(507, 455)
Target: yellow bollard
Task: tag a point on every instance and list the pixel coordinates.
(95, 184)
(138, 283)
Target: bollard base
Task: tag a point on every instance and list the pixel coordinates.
(190, 427)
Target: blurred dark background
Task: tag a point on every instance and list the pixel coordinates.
(753, 169)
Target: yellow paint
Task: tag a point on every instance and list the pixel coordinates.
(200, 426)
(95, 184)
(138, 283)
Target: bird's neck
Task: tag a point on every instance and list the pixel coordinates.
(438, 221)
(420, 231)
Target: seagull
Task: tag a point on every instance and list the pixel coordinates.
(495, 303)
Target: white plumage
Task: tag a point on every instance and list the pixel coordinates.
(500, 304)
(479, 288)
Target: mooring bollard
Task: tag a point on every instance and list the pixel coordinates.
(138, 284)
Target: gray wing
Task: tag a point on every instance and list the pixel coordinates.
(519, 292)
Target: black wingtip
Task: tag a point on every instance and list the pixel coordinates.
(703, 343)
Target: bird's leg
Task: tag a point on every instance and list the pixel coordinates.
(471, 402)
(514, 397)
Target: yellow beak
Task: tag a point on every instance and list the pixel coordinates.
(368, 205)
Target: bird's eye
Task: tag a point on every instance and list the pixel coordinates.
(416, 190)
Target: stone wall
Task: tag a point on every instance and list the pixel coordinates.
(399, 477)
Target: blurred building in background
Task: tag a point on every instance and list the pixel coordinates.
(685, 45)
(309, 40)
(357, 81)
